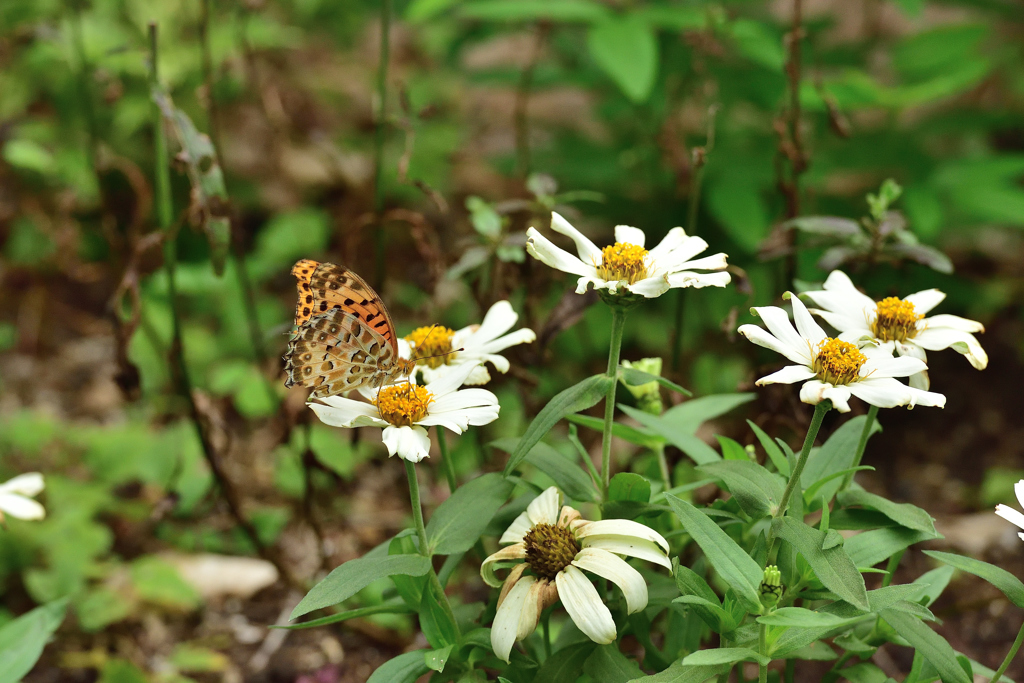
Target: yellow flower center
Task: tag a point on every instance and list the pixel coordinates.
(431, 346)
(895, 320)
(623, 261)
(549, 549)
(403, 405)
(838, 362)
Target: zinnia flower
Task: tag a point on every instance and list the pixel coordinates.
(898, 324)
(626, 267)
(405, 410)
(16, 497)
(1011, 515)
(438, 350)
(554, 547)
(832, 368)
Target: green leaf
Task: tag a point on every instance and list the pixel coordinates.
(608, 665)
(932, 584)
(635, 378)
(576, 398)
(733, 564)
(683, 673)
(871, 547)
(29, 155)
(811, 494)
(566, 665)
(421, 10)
(159, 582)
(675, 435)
(772, 449)
(22, 640)
(714, 615)
(1009, 584)
(864, 672)
(757, 491)
(395, 605)
(629, 486)
(436, 659)
(640, 437)
(835, 455)
(626, 49)
(724, 655)
(690, 415)
(731, 449)
(402, 669)
(800, 617)
(351, 577)
(904, 514)
(933, 647)
(833, 567)
(460, 521)
(567, 475)
(534, 10)
(436, 618)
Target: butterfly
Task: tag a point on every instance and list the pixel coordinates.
(344, 338)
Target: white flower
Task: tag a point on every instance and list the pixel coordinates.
(897, 324)
(626, 267)
(1011, 515)
(16, 497)
(554, 547)
(405, 410)
(835, 369)
(438, 350)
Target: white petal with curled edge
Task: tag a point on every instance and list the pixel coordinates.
(529, 615)
(762, 337)
(884, 365)
(713, 262)
(630, 235)
(588, 251)
(20, 507)
(838, 282)
(544, 508)
(408, 443)
(599, 283)
(544, 250)
(629, 546)
(616, 570)
(953, 322)
(926, 300)
(337, 411)
(622, 527)
(688, 278)
(791, 374)
(805, 324)
(499, 319)
(506, 621)
(1010, 515)
(936, 339)
(674, 239)
(650, 288)
(884, 392)
(920, 397)
(28, 484)
(585, 606)
(777, 322)
(816, 391)
(683, 252)
(523, 336)
(519, 527)
(1018, 488)
(487, 568)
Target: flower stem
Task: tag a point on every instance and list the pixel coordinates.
(659, 450)
(1009, 656)
(861, 445)
(762, 647)
(446, 460)
(417, 508)
(794, 479)
(618, 325)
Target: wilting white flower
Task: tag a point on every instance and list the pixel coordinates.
(1012, 515)
(626, 267)
(16, 497)
(832, 368)
(553, 547)
(438, 350)
(897, 324)
(405, 410)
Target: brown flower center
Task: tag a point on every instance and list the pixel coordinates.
(895, 320)
(549, 549)
(838, 362)
(403, 405)
(623, 261)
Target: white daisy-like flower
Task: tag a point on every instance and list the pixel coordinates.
(1012, 515)
(16, 497)
(626, 267)
(438, 350)
(553, 547)
(832, 368)
(897, 324)
(404, 411)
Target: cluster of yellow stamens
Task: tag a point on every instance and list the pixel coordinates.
(550, 549)
(623, 261)
(838, 362)
(403, 405)
(431, 346)
(895, 320)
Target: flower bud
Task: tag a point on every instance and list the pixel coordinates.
(771, 587)
(648, 396)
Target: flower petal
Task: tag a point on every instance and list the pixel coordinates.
(20, 507)
(805, 324)
(1010, 515)
(519, 527)
(487, 568)
(686, 249)
(462, 399)
(926, 300)
(714, 262)
(816, 391)
(28, 484)
(777, 322)
(506, 621)
(883, 365)
(759, 336)
(588, 251)
(544, 508)
(964, 343)
(920, 397)
(650, 288)
(451, 380)
(521, 336)
(688, 278)
(544, 250)
(498, 320)
(791, 374)
(630, 546)
(1018, 488)
(344, 412)
(952, 321)
(630, 235)
(408, 443)
(585, 606)
(616, 570)
(672, 241)
(621, 527)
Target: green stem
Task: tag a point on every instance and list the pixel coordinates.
(446, 460)
(380, 133)
(790, 670)
(762, 648)
(1009, 656)
(861, 445)
(666, 476)
(546, 624)
(890, 568)
(417, 507)
(618, 325)
(794, 479)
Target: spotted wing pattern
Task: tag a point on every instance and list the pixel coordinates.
(325, 286)
(336, 351)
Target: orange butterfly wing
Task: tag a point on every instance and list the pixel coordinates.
(326, 286)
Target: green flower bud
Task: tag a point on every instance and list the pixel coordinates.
(648, 396)
(771, 587)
